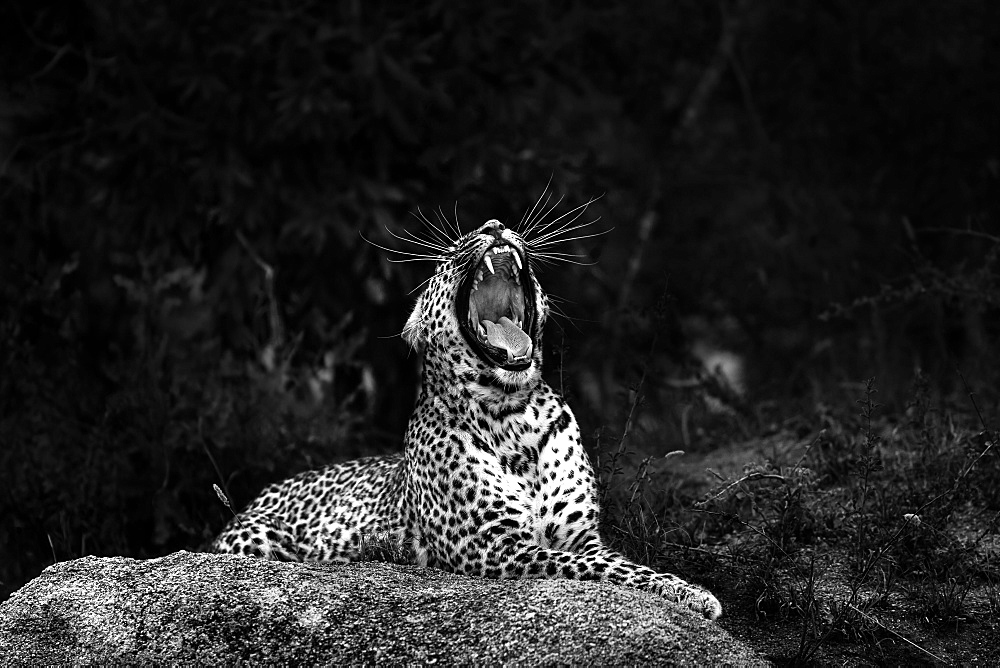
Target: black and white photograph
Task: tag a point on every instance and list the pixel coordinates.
(537, 333)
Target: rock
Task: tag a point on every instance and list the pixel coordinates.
(223, 609)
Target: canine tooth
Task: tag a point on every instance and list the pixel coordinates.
(517, 261)
(489, 263)
(479, 276)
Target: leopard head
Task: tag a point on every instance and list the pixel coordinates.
(482, 312)
(481, 316)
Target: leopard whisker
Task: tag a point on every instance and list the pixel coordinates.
(415, 256)
(443, 219)
(557, 310)
(554, 254)
(412, 259)
(446, 274)
(414, 239)
(435, 233)
(538, 261)
(566, 260)
(543, 215)
(531, 217)
(581, 209)
(568, 226)
(438, 232)
(458, 225)
(577, 238)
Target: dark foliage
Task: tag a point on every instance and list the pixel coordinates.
(818, 182)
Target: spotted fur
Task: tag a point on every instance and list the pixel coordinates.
(493, 480)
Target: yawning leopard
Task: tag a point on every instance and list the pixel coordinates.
(493, 480)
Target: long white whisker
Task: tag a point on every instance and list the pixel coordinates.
(432, 243)
(426, 243)
(417, 240)
(420, 256)
(438, 232)
(552, 241)
(435, 239)
(554, 310)
(568, 261)
(542, 215)
(582, 236)
(421, 284)
(529, 215)
(419, 215)
(563, 227)
(443, 219)
(447, 273)
(560, 257)
(545, 260)
(561, 314)
(579, 211)
(556, 255)
(560, 300)
(446, 230)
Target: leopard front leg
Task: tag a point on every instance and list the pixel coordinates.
(568, 507)
(527, 560)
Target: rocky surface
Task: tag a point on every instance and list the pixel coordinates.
(224, 609)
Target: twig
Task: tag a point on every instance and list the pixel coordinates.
(886, 628)
(713, 72)
(972, 398)
(744, 83)
(747, 525)
(647, 223)
(969, 233)
(274, 318)
(757, 475)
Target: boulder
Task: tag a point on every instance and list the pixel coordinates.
(223, 609)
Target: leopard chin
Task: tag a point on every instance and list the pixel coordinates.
(496, 311)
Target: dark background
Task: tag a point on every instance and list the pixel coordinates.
(811, 185)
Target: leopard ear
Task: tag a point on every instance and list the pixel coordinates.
(415, 331)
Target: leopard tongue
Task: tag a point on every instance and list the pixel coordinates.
(508, 336)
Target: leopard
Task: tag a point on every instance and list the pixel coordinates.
(493, 480)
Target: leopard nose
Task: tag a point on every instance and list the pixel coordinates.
(495, 227)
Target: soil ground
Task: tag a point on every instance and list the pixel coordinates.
(899, 629)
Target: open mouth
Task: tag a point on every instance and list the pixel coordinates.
(495, 308)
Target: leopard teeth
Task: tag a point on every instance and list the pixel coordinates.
(517, 261)
(489, 263)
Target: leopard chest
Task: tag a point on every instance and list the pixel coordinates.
(476, 459)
